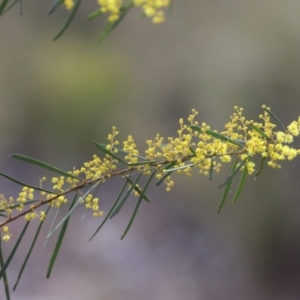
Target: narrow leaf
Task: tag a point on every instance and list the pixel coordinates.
(162, 178)
(17, 205)
(132, 217)
(169, 165)
(69, 20)
(9, 7)
(30, 250)
(148, 162)
(79, 201)
(224, 196)
(59, 242)
(125, 197)
(233, 173)
(136, 188)
(110, 211)
(95, 14)
(5, 279)
(179, 168)
(25, 184)
(43, 165)
(3, 5)
(260, 132)
(193, 151)
(260, 168)
(241, 142)
(210, 174)
(227, 188)
(12, 253)
(55, 6)
(166, 167)
(240, 186)
(216, 135)
(103, 149)
(110, 26)
(84, 215)
(138, 205)
(276, 120)
(52, 224)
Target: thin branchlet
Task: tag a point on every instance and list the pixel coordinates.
(193, 147)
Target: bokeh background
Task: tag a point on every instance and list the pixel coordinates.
(56, 97)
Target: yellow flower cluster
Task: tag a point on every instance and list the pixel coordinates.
(91, 170)
(112, 7)
(151, 8)
(57, 201)
(6, 204)
(58, 183)
(6, 234)
(92, 203)
(96, 168)
(130, 148)
(69, 4)
(201, 148)
(32, 215)
(25, 195)
(194, 147)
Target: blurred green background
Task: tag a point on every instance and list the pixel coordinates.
(57, 97)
